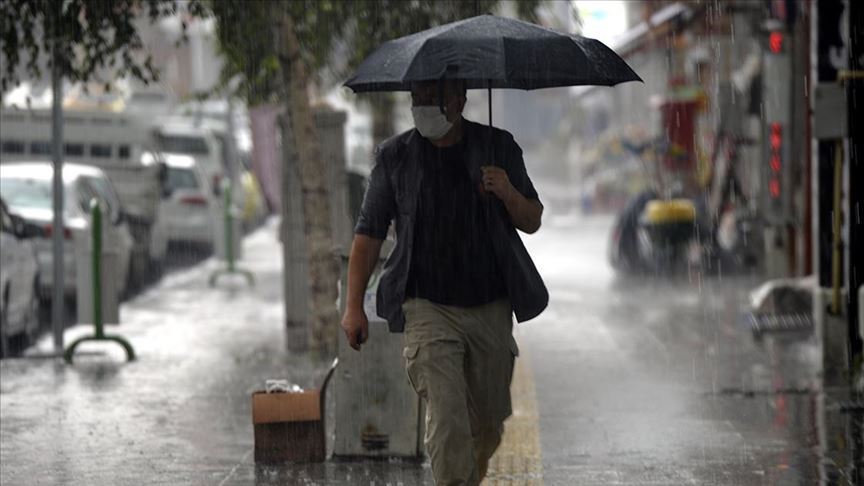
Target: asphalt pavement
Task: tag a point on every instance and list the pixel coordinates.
(622, 381)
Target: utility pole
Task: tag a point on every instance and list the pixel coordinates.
(58, 297)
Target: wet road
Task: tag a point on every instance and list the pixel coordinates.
(658, 381)
(644, 382)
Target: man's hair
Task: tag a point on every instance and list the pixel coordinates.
(455, 86)
(447, 86)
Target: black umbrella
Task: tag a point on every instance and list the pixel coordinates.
(491, 52)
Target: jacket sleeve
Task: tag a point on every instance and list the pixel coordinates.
(516, 171)
(379, 203)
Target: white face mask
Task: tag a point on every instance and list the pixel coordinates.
(430, 122)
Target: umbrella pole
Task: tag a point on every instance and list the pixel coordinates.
(491, 148)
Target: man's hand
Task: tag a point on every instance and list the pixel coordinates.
(356, 326)
(524, 213)
(495, 180)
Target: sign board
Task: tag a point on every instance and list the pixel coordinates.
(777, 100)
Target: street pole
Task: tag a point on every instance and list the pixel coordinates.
(854, 81)
(57, 299)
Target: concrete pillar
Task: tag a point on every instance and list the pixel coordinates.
(330, 125)
(377, 412)
(331, 131)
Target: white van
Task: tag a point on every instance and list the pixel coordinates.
(122, 145)
(181, 136)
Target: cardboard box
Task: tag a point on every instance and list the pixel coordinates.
(288, 427)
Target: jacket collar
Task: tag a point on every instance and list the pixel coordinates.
(477, 146)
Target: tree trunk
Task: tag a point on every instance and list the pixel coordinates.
(315, 188)
(295, 264)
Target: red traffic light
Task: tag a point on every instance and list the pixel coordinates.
(775, 162)
(774, 187)
(775, 42)
(776, 136)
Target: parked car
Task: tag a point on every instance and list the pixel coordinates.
(121, 144)
(19, 278)
(207, 141)
(182, 136)
(27, 189)
(188, 207)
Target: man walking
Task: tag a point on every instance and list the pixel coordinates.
(457, 274)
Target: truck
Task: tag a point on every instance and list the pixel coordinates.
(123, 146)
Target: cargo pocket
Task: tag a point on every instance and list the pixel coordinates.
(410, 351)
(514, 348)
(410, 354)
(514, 353)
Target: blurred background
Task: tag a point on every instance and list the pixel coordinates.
(216, 135)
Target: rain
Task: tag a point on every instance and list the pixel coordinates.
(393, 242)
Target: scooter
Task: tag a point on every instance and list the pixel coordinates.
(654, 234)
(657, 234)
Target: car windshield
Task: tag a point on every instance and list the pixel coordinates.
(27, 193)
(181, 144)
(181, 179)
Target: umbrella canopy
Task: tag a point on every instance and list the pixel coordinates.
(491, 52)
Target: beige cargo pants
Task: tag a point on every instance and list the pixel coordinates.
(460, 362)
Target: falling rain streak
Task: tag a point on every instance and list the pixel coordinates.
(349, 242)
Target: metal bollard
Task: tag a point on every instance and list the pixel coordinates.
(99, 334)
(229, 245)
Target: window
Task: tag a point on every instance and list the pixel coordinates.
(74, 149)
(12, 147)
(182, 144)
(181, 179)
(5, 219)
(123, 151)
(106, 195)
(85, 193)
(40, 148)
(102, 151)
(27, 193)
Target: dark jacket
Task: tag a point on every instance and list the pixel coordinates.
(394, 187)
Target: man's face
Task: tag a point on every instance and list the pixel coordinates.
(426, 94)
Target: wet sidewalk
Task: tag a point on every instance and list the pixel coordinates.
(180, 414)
(652, 382)
(660, 381)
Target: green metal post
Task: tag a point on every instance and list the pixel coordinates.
(96, 267)
(229, 230)
(229, 245)
(96, 215)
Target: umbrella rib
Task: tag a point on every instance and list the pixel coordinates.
(413, 61)
(504, 71)
(445, 28)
